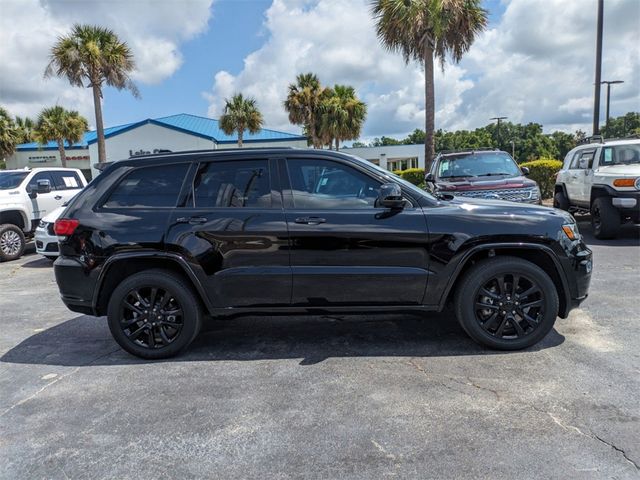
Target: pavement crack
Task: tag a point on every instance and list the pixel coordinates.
(617, 449)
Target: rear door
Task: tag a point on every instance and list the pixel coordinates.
(66, 184)
(231, 227)
(345, 250)
(580, 171)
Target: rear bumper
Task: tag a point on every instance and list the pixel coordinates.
(76, 284)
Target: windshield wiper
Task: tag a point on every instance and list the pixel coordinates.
(493, 174)
(460, 176)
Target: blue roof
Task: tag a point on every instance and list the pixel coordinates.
(208, 128)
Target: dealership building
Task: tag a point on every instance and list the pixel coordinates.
(174, 133)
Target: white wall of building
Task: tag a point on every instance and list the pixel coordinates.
(389, 155)
(76, 158)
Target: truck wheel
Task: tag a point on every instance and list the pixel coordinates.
(154, 314)
(561, 201)
(506, 303)
(12, 242)
(605, 219)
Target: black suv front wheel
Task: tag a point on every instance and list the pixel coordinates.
(154, 314)
(506, 303)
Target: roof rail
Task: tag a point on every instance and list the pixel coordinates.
(591, 139)
(468, 150)
(166, 153)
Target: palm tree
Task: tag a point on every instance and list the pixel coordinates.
(426, 29)
(9, 135)
(59, 125)
(25, 129)
(303, 104)
(92, 56)
(240, 114)
(342, 116)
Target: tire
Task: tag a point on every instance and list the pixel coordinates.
(605, 219)
(12, 242)
(171, 332)
(561, 201)
(479, 323)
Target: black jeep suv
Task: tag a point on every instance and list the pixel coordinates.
(158, 242)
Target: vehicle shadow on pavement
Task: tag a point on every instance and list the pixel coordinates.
(85, 341)
(40, 262)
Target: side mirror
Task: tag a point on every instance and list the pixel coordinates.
(44, 186)
(525, 171)
(429, 178)
(390, 196)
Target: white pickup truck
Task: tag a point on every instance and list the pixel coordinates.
(26, 196)
(602, 178)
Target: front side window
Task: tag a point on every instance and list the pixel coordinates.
(233, 184)
(621, 154)
(33, 183)
(477, 165)
(322, 184)
(149, 187)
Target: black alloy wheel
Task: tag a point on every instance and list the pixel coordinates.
(154, 314)
(506, 303)
(509, 306)
(151, 317)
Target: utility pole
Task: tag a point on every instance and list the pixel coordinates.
(596, 93)
(499, 119)
(609, 83)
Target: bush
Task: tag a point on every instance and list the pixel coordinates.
(413, 175)
(544, 172)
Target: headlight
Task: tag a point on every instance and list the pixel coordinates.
(42, 224)
(637, 183)
(571, 231)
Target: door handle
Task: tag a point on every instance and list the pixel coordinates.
(310, 220)
(58, 197)
(191, 220)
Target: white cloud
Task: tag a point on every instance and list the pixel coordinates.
(536, 64)
(154, 30)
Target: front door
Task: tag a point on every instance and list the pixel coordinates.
(232, 227)
(43, 203)
(345, 250)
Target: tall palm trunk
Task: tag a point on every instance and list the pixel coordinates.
(337, 144)
(97, 104)
(240, 132)
(63, 155)
(429, 106)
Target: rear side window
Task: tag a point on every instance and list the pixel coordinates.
(149, 187)
(235, 184)
(65, 180)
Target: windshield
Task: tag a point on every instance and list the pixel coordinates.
(11, 180)
(477, 165)
(621, 154)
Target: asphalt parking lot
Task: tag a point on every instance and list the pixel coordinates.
(396, 396)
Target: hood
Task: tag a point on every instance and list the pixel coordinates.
(54, 215)
(508, 210)
(484, 183)
(631, 170)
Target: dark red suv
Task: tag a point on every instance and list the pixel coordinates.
(489, 174)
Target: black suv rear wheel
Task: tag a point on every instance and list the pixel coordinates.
(506, 303)
(154, 314)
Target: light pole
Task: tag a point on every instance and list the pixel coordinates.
(609, 83)
(596, 93)
(499, 119)
(513, 149)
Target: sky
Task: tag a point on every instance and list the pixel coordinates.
(534, 63)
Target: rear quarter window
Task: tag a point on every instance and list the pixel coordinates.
(155, 187)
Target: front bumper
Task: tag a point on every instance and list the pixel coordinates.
(46, 244)
(626, 201)
(577, 267)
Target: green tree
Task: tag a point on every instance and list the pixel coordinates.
(240, 114)
(303, 104)
(59, 125)
(424, 30)
(564, 142)
(342, 114)
(415, 137)
(622, 126)
(93, 56)
(9, 135)
(25, 129)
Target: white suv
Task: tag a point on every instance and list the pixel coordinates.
(26, 196)
(602, 178)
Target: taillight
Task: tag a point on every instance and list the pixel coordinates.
(65, 226)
